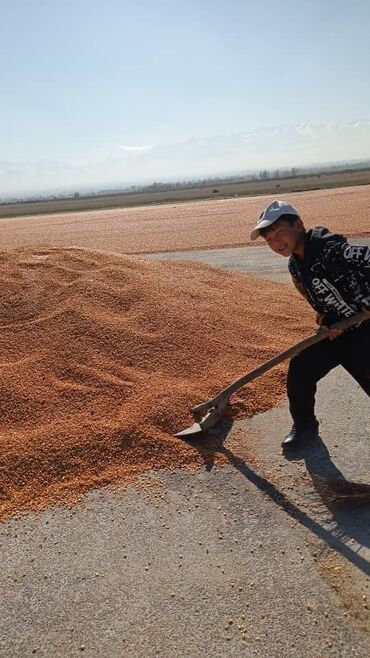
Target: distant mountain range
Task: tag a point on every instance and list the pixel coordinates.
(277, 147)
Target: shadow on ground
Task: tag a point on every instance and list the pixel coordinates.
(350, 520)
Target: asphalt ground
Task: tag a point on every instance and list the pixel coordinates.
(259, 260)
(244, 560)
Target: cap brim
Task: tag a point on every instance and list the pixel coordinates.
(255, 234)
(264, 224)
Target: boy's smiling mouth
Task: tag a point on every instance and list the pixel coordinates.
(283, 249)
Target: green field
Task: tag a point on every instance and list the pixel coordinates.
(251, 188)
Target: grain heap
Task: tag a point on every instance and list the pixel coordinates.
(101, 357)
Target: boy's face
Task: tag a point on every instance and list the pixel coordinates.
(283, 238)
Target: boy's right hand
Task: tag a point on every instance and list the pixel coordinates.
(332, 333)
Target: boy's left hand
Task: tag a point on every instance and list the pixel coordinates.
(334, 333)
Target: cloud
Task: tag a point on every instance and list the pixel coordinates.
(135, 149)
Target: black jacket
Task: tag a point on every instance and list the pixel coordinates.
(334, 275)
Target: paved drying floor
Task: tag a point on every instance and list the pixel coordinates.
(259, 260)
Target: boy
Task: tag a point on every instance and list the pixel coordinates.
(334, 277)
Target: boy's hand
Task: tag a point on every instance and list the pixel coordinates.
(332, 333)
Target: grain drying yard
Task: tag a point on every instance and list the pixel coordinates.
(118, 539)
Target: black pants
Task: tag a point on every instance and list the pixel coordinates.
(351, 350)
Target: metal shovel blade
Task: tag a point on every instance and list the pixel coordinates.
(209, 420)
(192, 431)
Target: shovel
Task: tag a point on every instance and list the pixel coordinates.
(217, 405)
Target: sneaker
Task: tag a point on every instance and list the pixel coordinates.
(297, 437)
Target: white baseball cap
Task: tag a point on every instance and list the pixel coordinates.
(271, 214)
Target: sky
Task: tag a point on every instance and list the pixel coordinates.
(84, 84)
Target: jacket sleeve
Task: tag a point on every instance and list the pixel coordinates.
(302, 291)
(300, 288)
(357, 257)
(353, 260)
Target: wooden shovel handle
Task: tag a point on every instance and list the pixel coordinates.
(320, 335)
